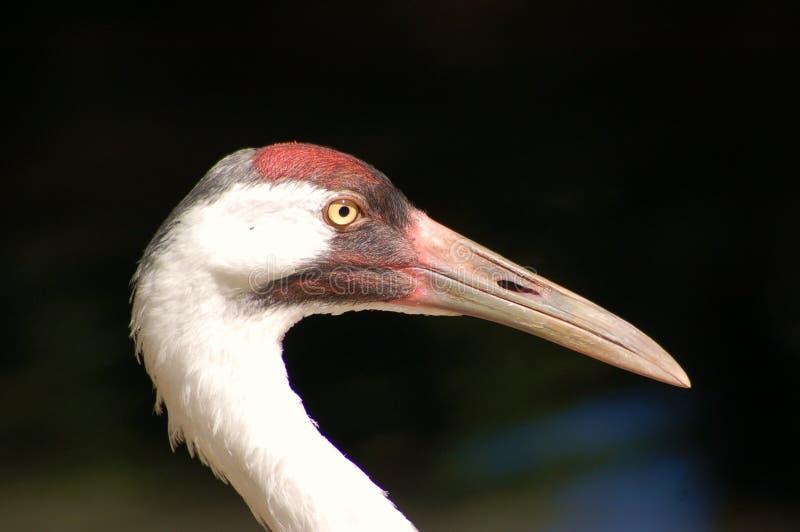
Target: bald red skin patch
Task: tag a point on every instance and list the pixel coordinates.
(321, 166)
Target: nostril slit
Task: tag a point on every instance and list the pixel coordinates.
(511, 286)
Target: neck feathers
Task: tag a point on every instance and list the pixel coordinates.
(219, 371)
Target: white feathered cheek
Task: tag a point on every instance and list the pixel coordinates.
(261, 233)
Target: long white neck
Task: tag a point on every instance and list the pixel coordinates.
(219, 370)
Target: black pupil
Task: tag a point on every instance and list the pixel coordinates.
(344, 211)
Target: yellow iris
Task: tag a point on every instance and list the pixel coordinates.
(342, 212)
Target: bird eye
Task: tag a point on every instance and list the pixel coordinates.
(341, 212)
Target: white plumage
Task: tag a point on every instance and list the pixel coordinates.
(219, 370)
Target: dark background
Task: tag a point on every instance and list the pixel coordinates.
(640, 154)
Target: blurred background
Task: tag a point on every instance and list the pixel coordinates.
(641, 155)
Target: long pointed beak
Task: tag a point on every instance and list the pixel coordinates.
(457, 275)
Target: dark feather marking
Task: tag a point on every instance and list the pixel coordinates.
(364, 265)
(374, 243)
(326, 283)
(388, 203)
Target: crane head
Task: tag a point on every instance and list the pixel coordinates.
(310, 227)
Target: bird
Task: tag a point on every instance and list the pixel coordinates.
(274, 234)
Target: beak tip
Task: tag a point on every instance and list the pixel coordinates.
(680, 379)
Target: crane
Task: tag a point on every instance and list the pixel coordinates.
(271, 235)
